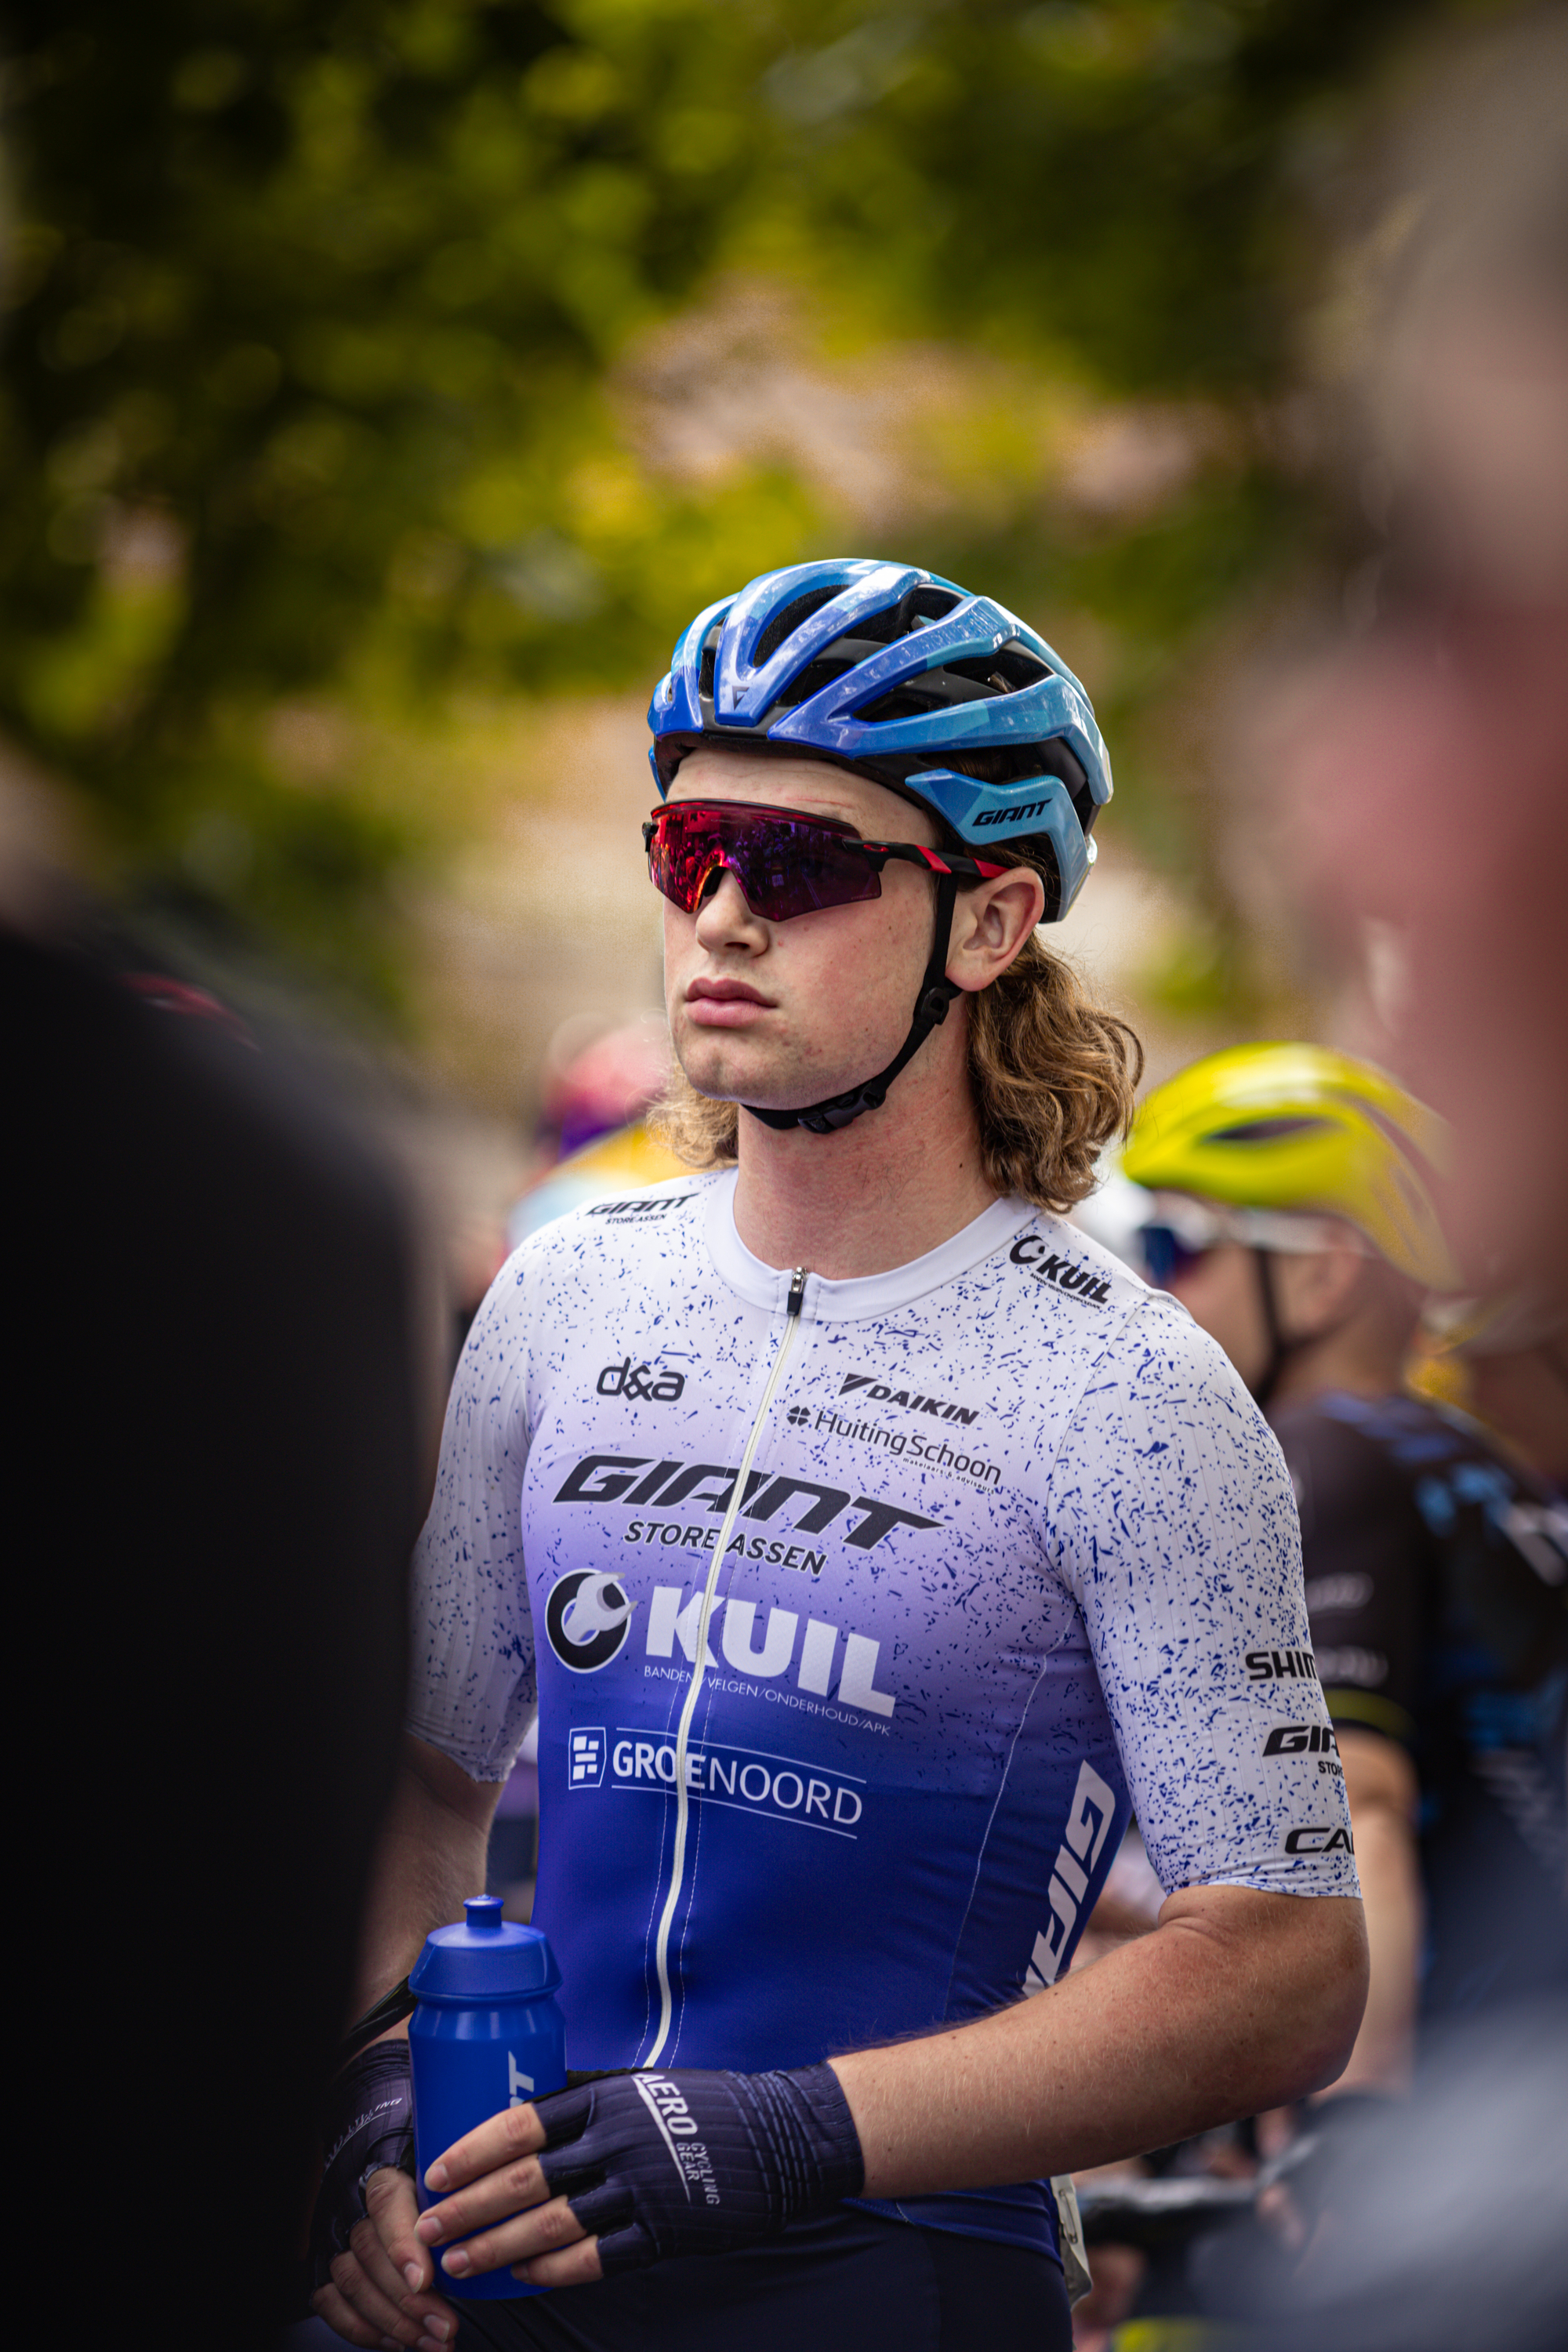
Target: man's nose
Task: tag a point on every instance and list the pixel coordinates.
(723, 915)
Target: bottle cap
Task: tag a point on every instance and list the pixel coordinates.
(483, 1957)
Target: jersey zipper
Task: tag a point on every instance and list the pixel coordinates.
(682, 1798)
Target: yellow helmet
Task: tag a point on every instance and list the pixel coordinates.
(1299, 1127)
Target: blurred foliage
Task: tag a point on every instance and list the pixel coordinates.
(315, 310)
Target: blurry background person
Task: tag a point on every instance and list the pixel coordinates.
(1290, 1208)
(1293, 1216)
(594, 1134)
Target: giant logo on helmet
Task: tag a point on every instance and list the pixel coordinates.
(587, 1618)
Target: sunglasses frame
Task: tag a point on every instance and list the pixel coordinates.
(876, 852)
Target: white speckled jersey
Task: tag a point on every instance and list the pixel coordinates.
(1014, 1542)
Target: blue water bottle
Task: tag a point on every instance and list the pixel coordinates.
(488, 2034)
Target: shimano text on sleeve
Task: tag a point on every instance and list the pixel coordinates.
(697, 2163)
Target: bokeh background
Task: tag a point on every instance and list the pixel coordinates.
(384, 382)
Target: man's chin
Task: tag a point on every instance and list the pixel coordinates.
(735, 1078)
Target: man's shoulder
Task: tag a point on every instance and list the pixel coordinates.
(1093, 1295)
(1060, 1259)
(1121, 1344)
(612, 1225)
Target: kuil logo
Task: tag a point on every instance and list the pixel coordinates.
(638, 1381)
(587, 1618)
(1049, 1266)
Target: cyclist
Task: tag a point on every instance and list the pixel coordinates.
(1294, 1218)
(871, 1535)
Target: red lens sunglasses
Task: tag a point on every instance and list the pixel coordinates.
(785, 863)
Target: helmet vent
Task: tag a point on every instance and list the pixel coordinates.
(811, 679)
(1267, 1131)
(1007, 671)
(784, 625)
(904, 702)
(706, 671)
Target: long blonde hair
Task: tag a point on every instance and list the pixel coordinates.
(1053, 1076)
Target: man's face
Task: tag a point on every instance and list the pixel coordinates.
(783, 1014)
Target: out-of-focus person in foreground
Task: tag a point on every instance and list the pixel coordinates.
(1427, 776)
(923, 1537)
(216, 1431)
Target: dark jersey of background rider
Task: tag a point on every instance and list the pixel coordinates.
(216, 1462)
(1438, 1593)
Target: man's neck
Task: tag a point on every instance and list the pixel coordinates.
(899, 1181)
(1359, 1359)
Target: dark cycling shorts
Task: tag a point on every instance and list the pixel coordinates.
(850, 2282)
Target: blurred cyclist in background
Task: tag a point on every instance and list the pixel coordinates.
(596, 1099)
(1293, 1216)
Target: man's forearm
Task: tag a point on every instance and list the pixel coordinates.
(430, 1856)
(1236, 2002)
(1380, 1781)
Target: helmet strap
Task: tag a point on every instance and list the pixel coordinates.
(1279, 1347)
(937, 992)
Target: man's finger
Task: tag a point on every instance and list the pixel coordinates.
(541, 2232)
(342, 2319)
(409, 2272)
(393, 2208)
(494, 2198)
(573, 2266)
(416, 2313)
(516, 2131)
(378, 2312)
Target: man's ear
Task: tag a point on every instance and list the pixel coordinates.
(1316, 1289)
(991, 924)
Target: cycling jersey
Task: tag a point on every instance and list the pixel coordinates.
(1010, 1541)
(1437, 1578)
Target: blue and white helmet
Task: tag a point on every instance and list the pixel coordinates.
(909, 679)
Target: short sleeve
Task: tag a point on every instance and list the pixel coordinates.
(1174, 1527)
(471, 1674)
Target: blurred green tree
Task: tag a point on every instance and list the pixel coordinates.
(309, 303)
(313, 305)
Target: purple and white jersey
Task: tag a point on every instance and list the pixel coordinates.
(1015, 1543)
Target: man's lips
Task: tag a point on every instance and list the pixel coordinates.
(725, 1004)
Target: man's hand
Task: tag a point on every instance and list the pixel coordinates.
(630, 2168)
(503, 2193)
(380, 2291)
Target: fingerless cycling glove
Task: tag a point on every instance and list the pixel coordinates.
(695, 2163)
(368, 2123)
